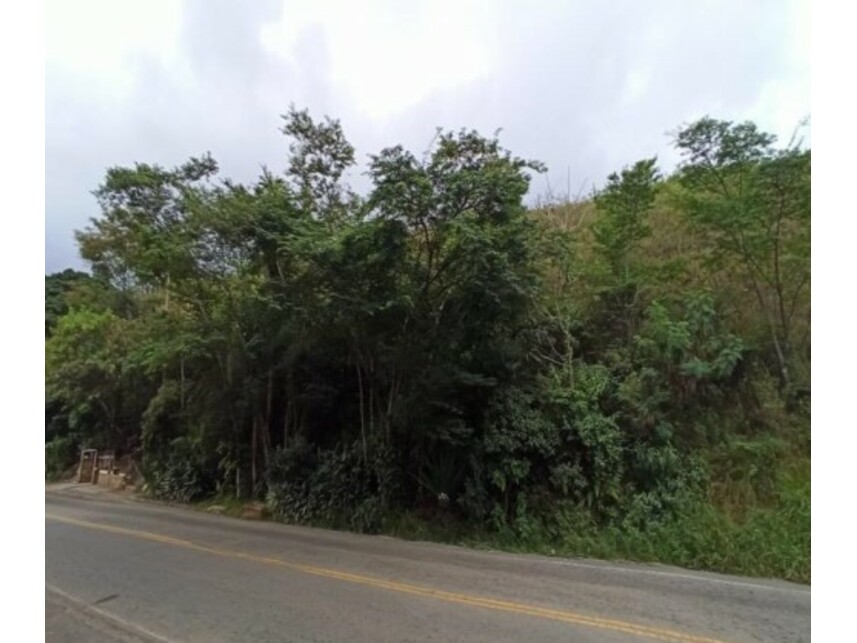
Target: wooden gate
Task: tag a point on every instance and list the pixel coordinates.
(88, 469)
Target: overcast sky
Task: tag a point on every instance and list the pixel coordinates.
(586, 87)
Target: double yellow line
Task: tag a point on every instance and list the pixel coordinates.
(404, 588)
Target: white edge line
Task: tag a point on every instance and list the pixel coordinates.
(607, 567)
(85, 607)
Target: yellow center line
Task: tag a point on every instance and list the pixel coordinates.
(405, 588)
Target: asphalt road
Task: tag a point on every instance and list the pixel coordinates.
(120, 570)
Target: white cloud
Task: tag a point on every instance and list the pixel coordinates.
(388, 56)
(94, 40)
(783, 101)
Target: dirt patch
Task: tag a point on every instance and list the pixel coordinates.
(254, 511)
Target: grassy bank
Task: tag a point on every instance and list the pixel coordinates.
(769, 542)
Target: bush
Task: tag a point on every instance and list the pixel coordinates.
(60, 455)
(182, 481)
(185, 476)
(747, 473)
(334, 488)
(772, 541)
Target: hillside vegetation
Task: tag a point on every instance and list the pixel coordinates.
(622, 376)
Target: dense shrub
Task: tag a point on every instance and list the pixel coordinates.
(60, 455)
(185, 475)
(336, 488)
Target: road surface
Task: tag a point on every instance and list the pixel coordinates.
(122, 570)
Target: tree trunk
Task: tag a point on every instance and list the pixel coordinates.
(287, 408)
(395, 386)
(181, 373)
(362, 414)
(253, 448)
(266, 434)
(286, 424)
(782, 359)
(371, 402)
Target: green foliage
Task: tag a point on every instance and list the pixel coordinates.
(593, 437)
(57, 287)
(320, 154)
(433, 350)
(158, 423)
(185, 476)
(515, 433)
(624, 203)
(747, 472)
(441, 475)
(692, 347)
(772, 541)
(335, 488)
(60, 455)
(751, 201)
(87, 372)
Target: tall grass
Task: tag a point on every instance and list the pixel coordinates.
(771, 541)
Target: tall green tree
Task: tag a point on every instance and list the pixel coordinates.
(623, 207)
(752, 201)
